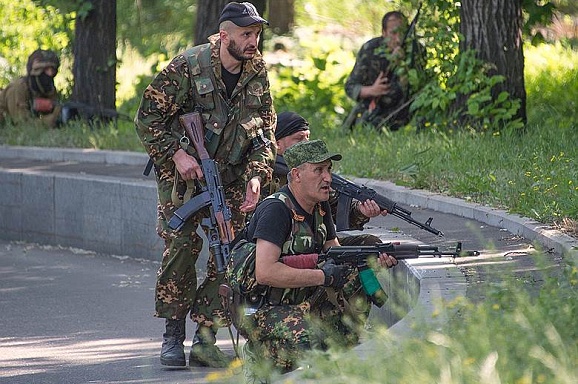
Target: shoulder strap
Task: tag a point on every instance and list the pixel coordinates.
(295, 217)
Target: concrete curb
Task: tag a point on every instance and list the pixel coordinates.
(74, 155)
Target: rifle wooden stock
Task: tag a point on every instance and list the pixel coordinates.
(348, 190)
(219, 226)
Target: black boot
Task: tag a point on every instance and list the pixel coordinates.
(204, 352)
(173, 350)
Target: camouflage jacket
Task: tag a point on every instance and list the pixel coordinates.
(370, 61)
(239, 131)
(16, 104)
(301, 240)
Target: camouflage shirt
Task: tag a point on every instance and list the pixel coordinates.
(239, 131)
(16, 104)
(370, 61)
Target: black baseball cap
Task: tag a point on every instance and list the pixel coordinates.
(241, 14)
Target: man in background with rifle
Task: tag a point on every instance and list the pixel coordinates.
(19, 101)
(226, 79)
(379, 80)
(35, 97)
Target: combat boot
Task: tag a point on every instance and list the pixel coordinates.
(204, 352)
(173, 349)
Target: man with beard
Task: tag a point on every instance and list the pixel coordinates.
(227, 82)
(34, 95)
(379, 81)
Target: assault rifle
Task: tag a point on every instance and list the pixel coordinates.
(218, 224)
(357, 256)
(72, 110)
(348, 190)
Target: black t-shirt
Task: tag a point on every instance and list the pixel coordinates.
(230, 80)
(272, 220)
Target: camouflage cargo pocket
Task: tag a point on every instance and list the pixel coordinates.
(248, 295)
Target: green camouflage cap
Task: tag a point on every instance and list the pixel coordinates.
(314, 151)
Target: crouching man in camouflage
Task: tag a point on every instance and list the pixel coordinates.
(285, 307)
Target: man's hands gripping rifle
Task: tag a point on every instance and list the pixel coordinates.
(218, 224)
(338, 260)
(348, 190)
(335, 275)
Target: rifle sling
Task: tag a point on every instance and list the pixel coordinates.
(177, 201)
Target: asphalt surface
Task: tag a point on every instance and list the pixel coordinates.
(73, 316)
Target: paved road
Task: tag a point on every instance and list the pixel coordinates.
(70, 316)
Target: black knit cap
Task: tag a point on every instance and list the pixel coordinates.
(241, 14)
(288, 123)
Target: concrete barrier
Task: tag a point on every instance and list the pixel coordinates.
(103, 214)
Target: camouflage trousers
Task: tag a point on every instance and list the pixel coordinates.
(279, 334)
(176, 291)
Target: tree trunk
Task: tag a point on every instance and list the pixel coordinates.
(94, 49)
(281, 16)
(208, 12)
(494, 29)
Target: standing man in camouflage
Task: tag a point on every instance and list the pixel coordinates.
(294, 221)
(227, 80)
(34, 96)
(379, 82)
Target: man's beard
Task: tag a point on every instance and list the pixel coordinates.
(236, 52)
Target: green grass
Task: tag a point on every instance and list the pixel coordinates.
(534, 174)
(74, 135)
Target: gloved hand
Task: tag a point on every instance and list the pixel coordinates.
(335, 275)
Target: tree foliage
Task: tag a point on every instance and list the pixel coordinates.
(27, 27)
(156, 26)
